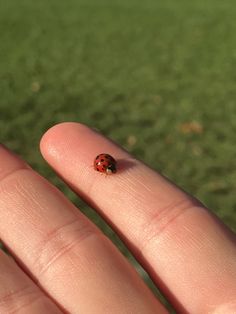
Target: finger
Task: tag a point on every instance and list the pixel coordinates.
(18, 294)
(178, 241)
(62, 250)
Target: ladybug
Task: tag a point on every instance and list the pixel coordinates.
(105, 163)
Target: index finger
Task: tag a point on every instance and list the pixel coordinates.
(179, 242)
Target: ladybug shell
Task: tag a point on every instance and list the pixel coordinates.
(105, 163)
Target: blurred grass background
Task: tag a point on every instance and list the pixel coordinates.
(157, 77)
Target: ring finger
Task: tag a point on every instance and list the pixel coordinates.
(19, 294)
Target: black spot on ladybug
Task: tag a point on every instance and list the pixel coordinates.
(102, 160)
(97, 169)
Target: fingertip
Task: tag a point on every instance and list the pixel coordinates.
(68, 140)
(59, 133)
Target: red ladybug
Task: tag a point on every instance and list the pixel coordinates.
(105, 163)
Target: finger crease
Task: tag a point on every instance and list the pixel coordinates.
(59, 242)
(163, 219)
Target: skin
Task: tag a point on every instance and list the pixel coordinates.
(64, 264)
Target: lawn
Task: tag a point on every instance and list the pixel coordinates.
(158, 77)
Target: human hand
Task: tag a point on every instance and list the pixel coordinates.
(66, 265)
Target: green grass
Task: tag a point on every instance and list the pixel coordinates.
(157, 77)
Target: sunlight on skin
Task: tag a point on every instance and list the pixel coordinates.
(187, 250)
(63, 252)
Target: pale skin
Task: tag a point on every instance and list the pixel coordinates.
(64, 264)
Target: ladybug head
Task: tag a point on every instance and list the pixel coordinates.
(111, 169)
